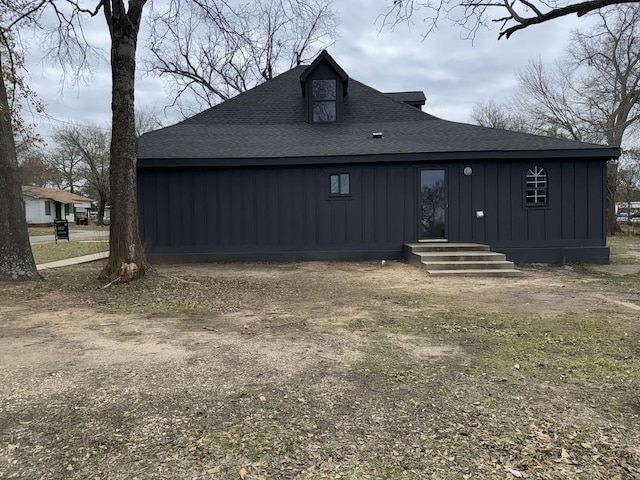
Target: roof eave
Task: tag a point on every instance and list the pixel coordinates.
(604, 152)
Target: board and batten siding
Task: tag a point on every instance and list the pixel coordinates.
(571, 227)
(285, 213)
(277, 213)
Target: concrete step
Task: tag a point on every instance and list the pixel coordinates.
(463, 259)
(446, 247)
(476, 273)
(464, 256)
(468, 265)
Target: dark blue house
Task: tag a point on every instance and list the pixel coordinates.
(315, 165)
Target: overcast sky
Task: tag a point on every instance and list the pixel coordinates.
(454, 73)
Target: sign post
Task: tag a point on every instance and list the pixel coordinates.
(61, 229)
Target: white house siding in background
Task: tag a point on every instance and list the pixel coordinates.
(35, 210)
(42, 205)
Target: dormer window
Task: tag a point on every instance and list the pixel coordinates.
(324, 87)
(324, 100)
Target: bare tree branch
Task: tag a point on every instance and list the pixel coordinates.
(471, 15)
(209, 51)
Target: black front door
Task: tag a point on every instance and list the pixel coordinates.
(433, 204)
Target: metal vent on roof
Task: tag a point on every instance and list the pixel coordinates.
(377, 134)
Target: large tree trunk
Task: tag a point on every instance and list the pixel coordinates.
(101, 208)
(16, 257)
(127, 259)
(614, 135)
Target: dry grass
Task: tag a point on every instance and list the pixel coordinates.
(625, 249)
(320, 370)
(51, 252)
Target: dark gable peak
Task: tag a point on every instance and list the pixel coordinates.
(415, 99)
(324, 58)
(324, 86)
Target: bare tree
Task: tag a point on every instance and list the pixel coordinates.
(505, 116)
(146, 120)
(34, 169)
(210, 51)
(127, 259)
(594, 93)
(472, 15)
(65, 164)
(551, 98)
(83, 150)
(610, 53)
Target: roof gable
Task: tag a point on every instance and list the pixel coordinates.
(54, 194)
(324, 57)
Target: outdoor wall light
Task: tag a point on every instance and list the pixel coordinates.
(467, 171)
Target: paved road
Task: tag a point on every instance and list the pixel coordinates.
(73, 235)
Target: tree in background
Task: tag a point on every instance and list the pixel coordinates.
(472, 15)
(210, 51)
(85, 149)
(34, 169)
(146, 120)
(592, 94)
(629, 180)
(504, 116)
(64, 166)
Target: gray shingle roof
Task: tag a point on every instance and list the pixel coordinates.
(412, 98)
(268, 122)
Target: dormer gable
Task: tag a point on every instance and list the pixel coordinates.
(324, 85)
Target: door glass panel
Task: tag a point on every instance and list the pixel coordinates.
(432, 204)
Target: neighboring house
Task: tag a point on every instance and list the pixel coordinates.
(44, 205)
(316, 165)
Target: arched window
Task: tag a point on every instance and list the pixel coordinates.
(536, 187)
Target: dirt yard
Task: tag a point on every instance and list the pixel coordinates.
(320, 370)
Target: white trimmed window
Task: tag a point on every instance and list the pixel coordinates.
(536, 187)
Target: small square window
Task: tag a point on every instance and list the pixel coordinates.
(339, 183)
